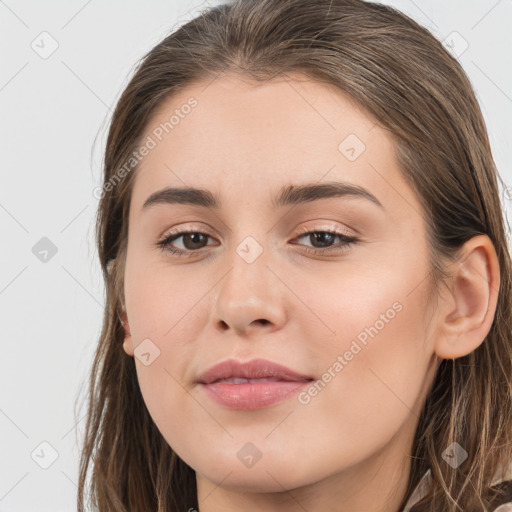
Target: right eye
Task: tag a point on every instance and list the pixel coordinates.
(195, 240)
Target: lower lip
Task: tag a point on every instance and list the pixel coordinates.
(252, 395)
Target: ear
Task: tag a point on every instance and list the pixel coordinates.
(127, 343)
(467, 315)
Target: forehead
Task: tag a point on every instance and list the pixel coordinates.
(237, 137)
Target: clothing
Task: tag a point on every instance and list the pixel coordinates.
(501, 481)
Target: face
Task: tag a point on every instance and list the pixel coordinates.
(332, 284)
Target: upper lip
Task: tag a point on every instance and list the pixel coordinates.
(254, 369)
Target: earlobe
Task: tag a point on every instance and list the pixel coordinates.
(468, 314)
(127, 343)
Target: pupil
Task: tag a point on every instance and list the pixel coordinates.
(195, 238)
(321, 236)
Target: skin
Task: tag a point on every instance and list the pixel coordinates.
(347, 449)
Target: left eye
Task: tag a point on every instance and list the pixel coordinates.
(326, 238)
(195, 240)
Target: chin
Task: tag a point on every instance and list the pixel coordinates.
(263, 477)
(248, 482)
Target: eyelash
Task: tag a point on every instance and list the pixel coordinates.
(347, 241)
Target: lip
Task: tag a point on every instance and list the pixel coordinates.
(254, 369)
(251, 395)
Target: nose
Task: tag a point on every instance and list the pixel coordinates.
(249, 298)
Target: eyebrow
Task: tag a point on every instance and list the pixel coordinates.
(288, 195)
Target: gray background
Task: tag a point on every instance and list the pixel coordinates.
(54, 110)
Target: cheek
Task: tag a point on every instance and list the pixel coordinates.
(164, 310)
(375, 364)
(159, 302)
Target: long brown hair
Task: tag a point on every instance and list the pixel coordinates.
(402, 76)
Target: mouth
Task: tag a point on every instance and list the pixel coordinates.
(252, 385)
(255, 369)
(241, 380)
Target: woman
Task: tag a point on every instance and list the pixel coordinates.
(307, 273)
